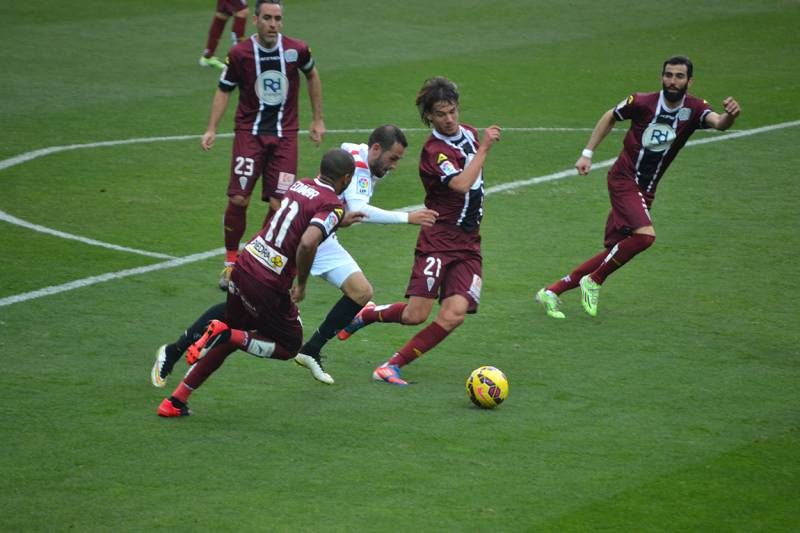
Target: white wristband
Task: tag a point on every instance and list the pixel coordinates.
(587, 153)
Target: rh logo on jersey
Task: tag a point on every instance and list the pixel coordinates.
(272, 87)
(658, 137)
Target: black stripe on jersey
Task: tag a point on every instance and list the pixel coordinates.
(650, 162)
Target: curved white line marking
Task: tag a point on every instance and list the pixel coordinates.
(42, 229)
(497, 188)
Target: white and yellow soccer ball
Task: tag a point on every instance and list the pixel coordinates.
(487, 387)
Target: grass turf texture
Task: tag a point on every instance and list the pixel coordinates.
(675, 409)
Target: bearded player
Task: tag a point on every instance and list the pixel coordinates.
(661, 123)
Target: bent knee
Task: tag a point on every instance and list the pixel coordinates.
(361, 295)
(239, 200)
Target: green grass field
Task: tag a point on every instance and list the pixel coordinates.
(676, 409)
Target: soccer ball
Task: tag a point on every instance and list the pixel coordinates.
(487, 387)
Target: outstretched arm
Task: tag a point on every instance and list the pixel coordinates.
(376, 215)
(600, 132)
(726, 119)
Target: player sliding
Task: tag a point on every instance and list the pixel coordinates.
(448, 259)
(661, 123)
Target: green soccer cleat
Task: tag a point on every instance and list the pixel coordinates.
(590, 293)
(212, 61)
(550, 302)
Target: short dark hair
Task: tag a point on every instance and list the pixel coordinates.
(434, 90)
(679, 60)
(336, 163)
(259, 2)
(386, 136)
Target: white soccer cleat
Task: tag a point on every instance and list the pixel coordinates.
(314, 364)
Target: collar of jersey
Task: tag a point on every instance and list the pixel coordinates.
(453, 138)
(278, 43)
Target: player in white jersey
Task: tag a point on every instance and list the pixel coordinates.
(384, 149)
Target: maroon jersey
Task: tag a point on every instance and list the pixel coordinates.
(268, 82)
(442, 159)
(270, 256)
(656, 135)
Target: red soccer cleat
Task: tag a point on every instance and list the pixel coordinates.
(172, 407)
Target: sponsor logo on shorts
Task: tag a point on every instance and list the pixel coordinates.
(430, 281)
(475, 288)
(285, 180)
(243, 182)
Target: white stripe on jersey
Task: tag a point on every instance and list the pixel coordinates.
(257, 59)
(659, 107)
(467, 136)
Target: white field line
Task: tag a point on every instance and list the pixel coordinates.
(5, 217)
(36, 154)
(55, 289)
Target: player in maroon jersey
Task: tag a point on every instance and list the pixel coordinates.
(225, 10)
(661, 123)
(269, 278)
(448, 262)
(266, 69)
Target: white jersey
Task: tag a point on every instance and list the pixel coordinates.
(358, 194)
(333, 262)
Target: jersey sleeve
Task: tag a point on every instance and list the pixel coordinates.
(304, 58)
(704, 108)
(625, 109)
(327, 218)
(440, 165)
(231, 75)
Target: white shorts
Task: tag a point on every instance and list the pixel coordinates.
(333, 263)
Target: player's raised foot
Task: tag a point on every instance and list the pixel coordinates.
(225, 277)
(389, 374)
(212, 61)
(590, 294)
(161, 368)
(550, 302)
(171, 407)
(314, 364)
(216, 332)
(356, 324)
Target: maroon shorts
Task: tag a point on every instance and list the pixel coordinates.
(630, 209)
(447, 262)
(255, 156)
(231, 7)
(271, 313)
